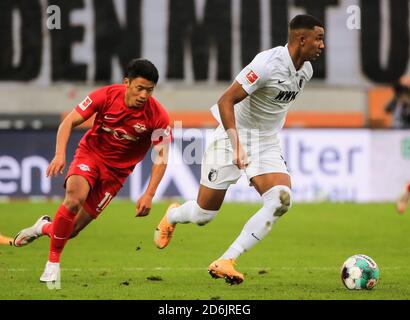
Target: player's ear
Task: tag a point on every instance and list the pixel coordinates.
(126, 81)
(303, 37)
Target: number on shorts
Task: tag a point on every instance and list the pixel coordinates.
(104, 202)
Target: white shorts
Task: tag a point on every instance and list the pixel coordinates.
(264, 155)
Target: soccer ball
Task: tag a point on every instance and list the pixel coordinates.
(360, 272)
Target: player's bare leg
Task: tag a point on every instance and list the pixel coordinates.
(275, 191)
(199, 212)
(82, 219)
(202, 211)
(209, 202)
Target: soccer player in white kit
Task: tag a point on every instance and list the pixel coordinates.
(251, 112)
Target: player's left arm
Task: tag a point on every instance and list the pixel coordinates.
(158, 169)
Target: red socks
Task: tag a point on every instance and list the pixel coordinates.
(59, 231)
(47, 229)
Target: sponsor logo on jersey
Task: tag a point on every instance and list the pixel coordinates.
(140, 128)
(252, 77)
(84, 167)
(85, 103)
(286, 96)
(120, 134)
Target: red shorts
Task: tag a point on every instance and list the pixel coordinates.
(104, 182)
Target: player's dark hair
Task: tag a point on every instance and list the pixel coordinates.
(304, 21)
(142, 68)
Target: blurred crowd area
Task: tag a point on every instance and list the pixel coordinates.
(319, 106)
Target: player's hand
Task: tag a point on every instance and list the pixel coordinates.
(56, 166)
(240, 158)
(143, 206)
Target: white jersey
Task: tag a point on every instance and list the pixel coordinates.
(272, 84)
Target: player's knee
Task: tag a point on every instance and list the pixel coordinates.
(201, 216)
(277, 200)
(74, 199)
(73, 203)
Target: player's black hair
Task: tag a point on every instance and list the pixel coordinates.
(142, 68)
(304, 21)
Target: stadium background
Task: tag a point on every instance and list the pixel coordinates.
(337, 140)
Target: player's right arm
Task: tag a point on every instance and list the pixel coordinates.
(251, 78)
(58, 163)
(234, 94)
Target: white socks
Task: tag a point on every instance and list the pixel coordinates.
(190, 211)
(259, 225)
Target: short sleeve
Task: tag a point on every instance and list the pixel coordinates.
(255, 74)
(92, 103)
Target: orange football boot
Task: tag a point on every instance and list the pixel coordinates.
(224, 268)
(164, 231)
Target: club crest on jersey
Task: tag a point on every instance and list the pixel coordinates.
(252, 77)
(84, 167)
(213, 174)
(140, 128)
(85, 103)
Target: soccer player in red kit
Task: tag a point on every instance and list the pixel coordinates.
(128, 121)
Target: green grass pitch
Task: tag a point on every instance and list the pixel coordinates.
(115, 257)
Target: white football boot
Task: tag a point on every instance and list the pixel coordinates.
(25, 236)
(51, 272)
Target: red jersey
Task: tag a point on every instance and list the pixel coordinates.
(121, 136)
